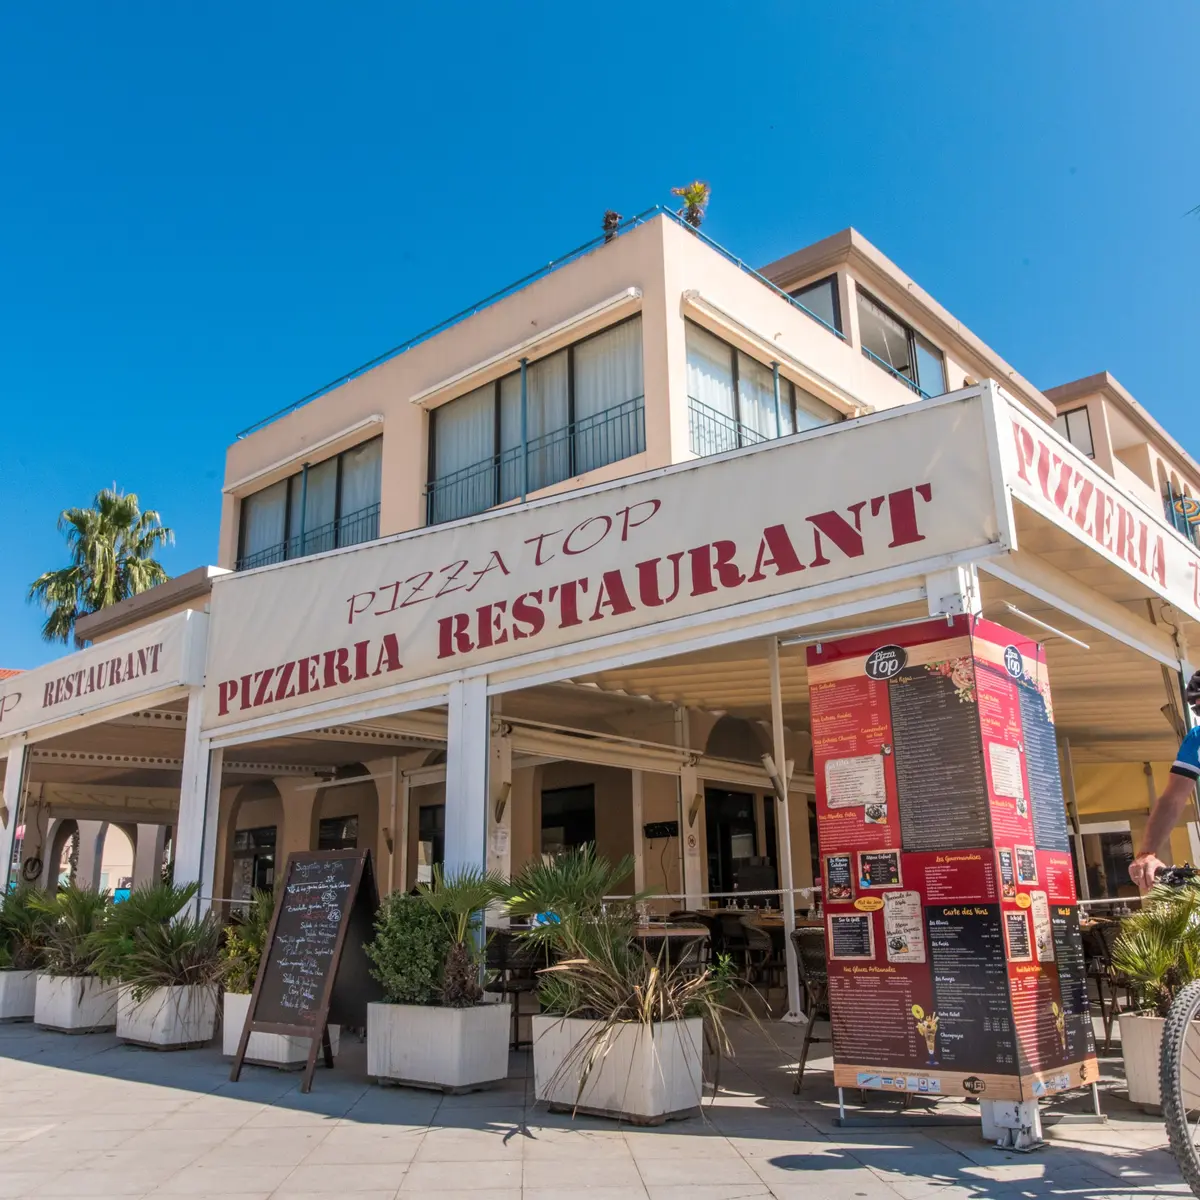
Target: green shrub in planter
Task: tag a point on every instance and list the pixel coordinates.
(129, 923)
(24, 930)
(245, 940)
(409, 950)
(185, 952)
(1158, 947)
(75, 919)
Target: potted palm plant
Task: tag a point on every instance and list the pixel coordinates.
(167, 967)
(434, 1027)
(1157, 951)
(245, 941)
(71, 996)
(23, 932)
(621, 1034)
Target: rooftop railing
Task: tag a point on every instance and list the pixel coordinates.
(585, 444)
(553, 265)
(347, 530)
(899, 375)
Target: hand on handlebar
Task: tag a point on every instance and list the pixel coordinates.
(1144, 868)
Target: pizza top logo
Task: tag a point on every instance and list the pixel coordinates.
(885, 663)
(1014, 664)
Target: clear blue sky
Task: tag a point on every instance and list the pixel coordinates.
(209, 209)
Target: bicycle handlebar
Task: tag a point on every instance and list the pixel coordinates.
(1175, 876)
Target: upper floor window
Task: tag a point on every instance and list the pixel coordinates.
(821, 300)
(732, 398)
(584, 409)
(325, 505)
(898, 348)
(1076, 427)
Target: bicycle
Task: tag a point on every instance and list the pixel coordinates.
(1179, 1058)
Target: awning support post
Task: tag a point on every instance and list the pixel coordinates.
(1073, 812)
(468, 734)
(783, 828)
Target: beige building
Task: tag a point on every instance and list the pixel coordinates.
(405, 500)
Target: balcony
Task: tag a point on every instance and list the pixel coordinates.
(714, 432)
(347, 530)
(1183, 515)
(584, 445)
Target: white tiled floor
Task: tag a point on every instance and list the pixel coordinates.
(87, 1117)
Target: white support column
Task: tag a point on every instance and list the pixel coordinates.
(49, 880)
(954, 591)
(10, 813)
(639, 842)
(468, 731)
(91, 854)
(399, 878)
(783, 835)
(196, 827)
(500, 806)
(148, 854)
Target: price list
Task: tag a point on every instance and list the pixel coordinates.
(970, 986)
(1041, 766)
(1071, 961)
(939, 764)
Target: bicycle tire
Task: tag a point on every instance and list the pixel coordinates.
(1184, 1011)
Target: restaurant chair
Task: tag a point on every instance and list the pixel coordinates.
(814, 980)
(515, 967)
(1097, 948)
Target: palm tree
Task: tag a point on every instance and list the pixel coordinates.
(111, 545)
(695, 197)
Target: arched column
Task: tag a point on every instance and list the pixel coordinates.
(91, 853)
(149, 845)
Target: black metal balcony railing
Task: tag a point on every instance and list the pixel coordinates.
(584, 445)
(1179, 509)
(347, 530)
(714, 432)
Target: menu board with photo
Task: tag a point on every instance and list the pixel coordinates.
(955, 962)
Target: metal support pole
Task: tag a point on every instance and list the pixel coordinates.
(778, 411)
(1073, 812)
(524, 430)
(783, 829)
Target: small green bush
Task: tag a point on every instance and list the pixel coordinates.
(409, 950)
(245, 940)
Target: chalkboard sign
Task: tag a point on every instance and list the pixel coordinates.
(314, 967)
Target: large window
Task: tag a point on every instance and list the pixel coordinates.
(431, 840)
(732, 398)
(899, 349)
(568, 819)
(1076, 427)
(325, 505)
(821, 300)
(584, 409)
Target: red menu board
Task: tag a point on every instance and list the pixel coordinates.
(955, 960)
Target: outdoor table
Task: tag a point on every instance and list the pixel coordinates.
(658, 936)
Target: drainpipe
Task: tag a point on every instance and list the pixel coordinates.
(524, 432)
(303, 505)
(778, 417)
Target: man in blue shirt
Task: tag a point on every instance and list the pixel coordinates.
(1168, 808)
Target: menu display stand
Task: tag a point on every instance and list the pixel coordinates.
(314, 966)
(955, 960)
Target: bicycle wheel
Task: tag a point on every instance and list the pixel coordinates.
(1179, 1069)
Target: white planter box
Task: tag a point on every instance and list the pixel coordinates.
(265, 1049)
(74, 1004)
(1141, 1044)
(18, 993)
(169, 1017)
(647, 1074)
(455, 1049)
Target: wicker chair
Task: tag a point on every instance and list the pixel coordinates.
(814, 978)
(515, 967)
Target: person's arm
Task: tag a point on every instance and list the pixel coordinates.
(1164, 816)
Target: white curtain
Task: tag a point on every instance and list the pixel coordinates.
(320, 507)
(710, 371)
(361, 477)
(464, 436)
(756, 396)
(547, 415)
(608, 374)
(263, 517)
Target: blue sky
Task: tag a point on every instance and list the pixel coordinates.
(208, 210)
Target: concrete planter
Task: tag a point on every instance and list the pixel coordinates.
(647, 1075)
(454, 1049)
(265, 1049)
(18, 994)
(169, 1018)
(1141, 1045)
(74, 1004)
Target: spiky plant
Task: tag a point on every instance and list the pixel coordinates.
(112, 546)
(460, 899)
(24, 930)
(75, 919)
(149, 906)
(245, 940)
(695, 197)
(1158, 947)
(185, 952)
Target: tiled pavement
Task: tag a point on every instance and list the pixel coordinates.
(86, 1117)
